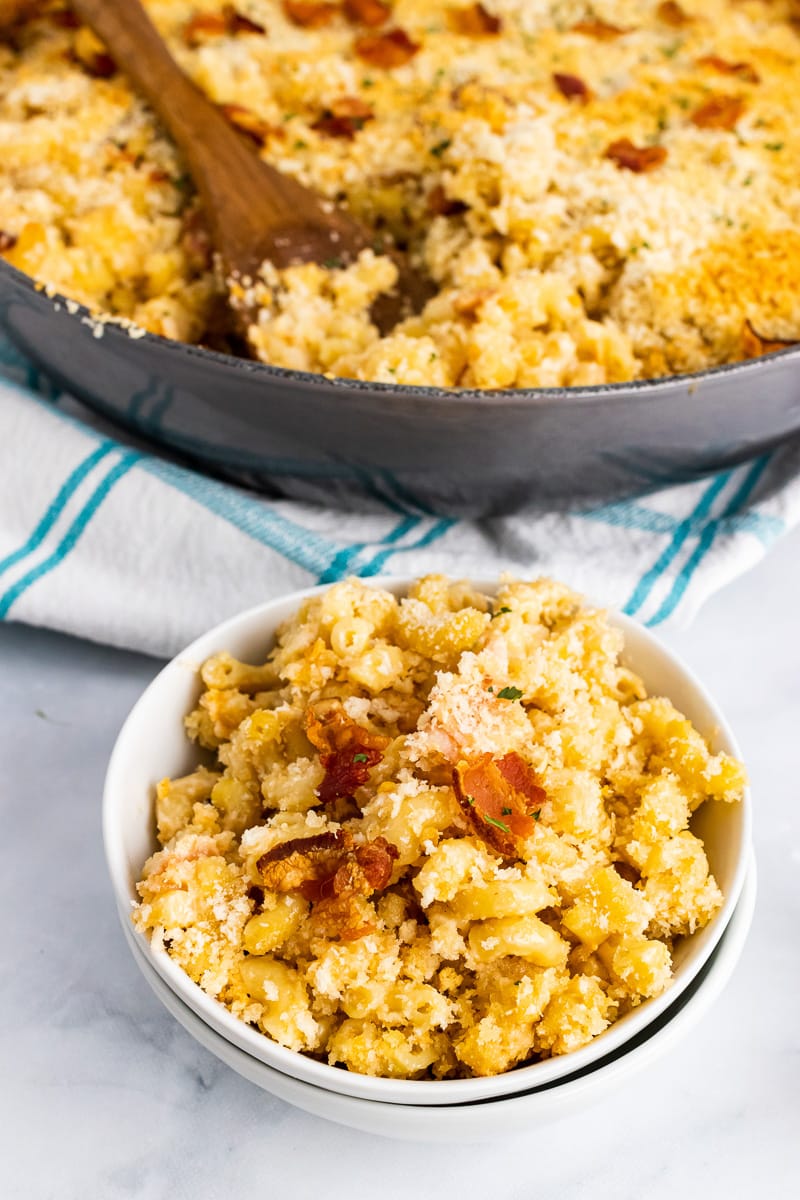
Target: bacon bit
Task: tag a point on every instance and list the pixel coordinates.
(628, 157)
(328, 866)
(309, 14)
(474, 21)
(204, 26)
(344, 118)
(158, 176)
(249, 122)
(627, 872)
(572, 87)
(754, 345)
(440, 204)
(496, 797)
(238, 23)
(393, 48)
(97, 63)
(468, 303)
(600, 30)
(367, 12)
(720, 112)
(7, 241)
(742, 70)
(347, 751)
(672, 14)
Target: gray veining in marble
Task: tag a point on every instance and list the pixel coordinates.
(104, 1097)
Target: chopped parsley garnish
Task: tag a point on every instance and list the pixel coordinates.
(440, 147)
(490, 688)
(536, 814)
(333, 264)
(300, 145)
(509, 693)
(506, 811)
(498, 824)
(360, 758)
(747, 181)
(470, 801)
(499, 612)
(774, 146)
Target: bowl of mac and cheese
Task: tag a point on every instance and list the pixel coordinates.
(427, 842)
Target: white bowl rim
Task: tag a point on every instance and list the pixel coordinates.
(404, 1091)
(470, 1120)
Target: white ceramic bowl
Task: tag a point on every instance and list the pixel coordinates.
(525, 1113)
(152, 744)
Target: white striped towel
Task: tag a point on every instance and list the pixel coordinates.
(103, 539)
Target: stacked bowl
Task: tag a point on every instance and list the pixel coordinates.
(152, 744)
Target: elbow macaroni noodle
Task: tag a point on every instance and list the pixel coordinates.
(395, 929)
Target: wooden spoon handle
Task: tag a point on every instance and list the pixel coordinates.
(226, 171)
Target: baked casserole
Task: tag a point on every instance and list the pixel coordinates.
(600, 191)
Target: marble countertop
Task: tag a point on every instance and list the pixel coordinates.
(104, 1096)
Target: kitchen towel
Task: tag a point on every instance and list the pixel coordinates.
(106, 539)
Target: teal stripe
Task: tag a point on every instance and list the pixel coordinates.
(682, 532)
(764, 526)
(56, 506)
(343, 560)
(375, 566)
(73, 534)
(253, 517)
(684, 576)
(628, 515)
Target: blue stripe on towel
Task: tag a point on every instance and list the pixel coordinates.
(73, 534)
(253, 517)
(684, 576)
(57, 505)
(376, 565)
(682, 532)
(343, 560)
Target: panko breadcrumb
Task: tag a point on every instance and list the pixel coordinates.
(599, 191)
(437, 836)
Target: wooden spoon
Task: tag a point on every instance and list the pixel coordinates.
(256, 214)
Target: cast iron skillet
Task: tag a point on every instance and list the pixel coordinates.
(463, 453)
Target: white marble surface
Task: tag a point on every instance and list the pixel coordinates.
(103, 1096)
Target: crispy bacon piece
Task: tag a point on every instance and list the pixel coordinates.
(204, 26)
(440, 204)
(347, 750)
(7, 241)
(238, 23)
(600, 30)
(720, 112)
(97, 63)
(572, 87)
(393, 48)
(367, 12)
(672, 14)
(328, 866)
(474, 21)
(497, 797)
(628, 157)
(742, 70)
(754, 345)
(344, 118)
(249, 122)
(310, 14)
